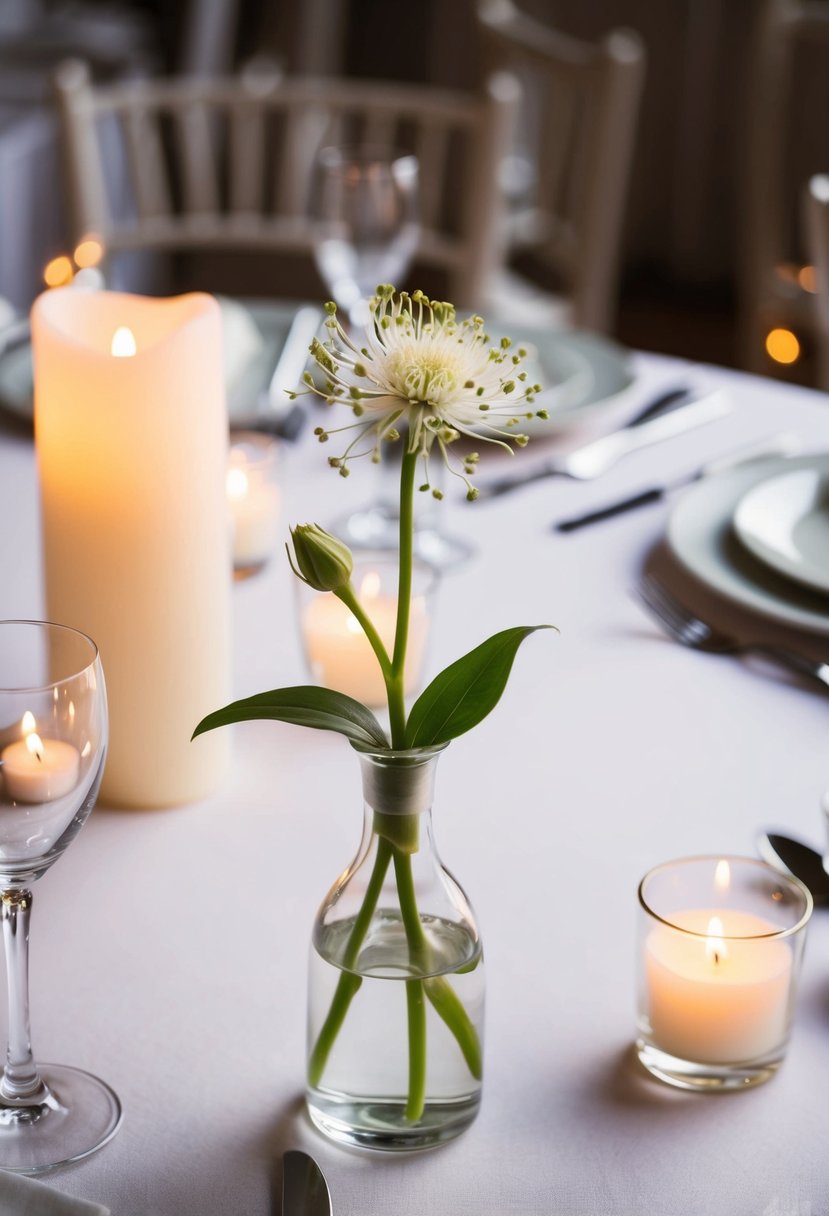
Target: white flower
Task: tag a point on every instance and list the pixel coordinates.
(423, 370)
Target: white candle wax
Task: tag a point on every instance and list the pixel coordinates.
(132, 457)
(254, 512)
(39, 770)
(339, 653)
(721, 998)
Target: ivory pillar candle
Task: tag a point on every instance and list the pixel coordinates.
(131, 434)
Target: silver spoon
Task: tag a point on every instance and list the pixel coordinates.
(794, 857)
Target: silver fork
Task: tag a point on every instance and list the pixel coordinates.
(691, 631)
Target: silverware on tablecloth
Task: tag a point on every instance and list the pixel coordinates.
(793, 857)
(685, 627)
(304, 1189)
(670, 414)
(784, 444)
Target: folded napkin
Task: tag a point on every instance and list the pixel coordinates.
(22, 1196)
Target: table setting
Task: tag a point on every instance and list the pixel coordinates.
(631, 734)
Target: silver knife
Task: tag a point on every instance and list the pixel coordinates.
(597, 457)
(304, 1189)
(785, 444)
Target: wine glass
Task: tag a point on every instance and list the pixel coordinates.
(364, 205)
(53, 737)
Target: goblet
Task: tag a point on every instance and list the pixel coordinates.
(364, 204)
(53, 738)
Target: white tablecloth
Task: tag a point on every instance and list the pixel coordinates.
(169, 948)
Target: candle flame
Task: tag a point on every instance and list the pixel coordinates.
(714, 943)
(236, 483)
(34, 743)
(722, 875)
(123, 343)
(28, 723)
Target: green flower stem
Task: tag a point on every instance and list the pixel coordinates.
(445, 1000)
(448, 1004)
(394, 685)
(416, 1007)
(346, 594)
(348, 984)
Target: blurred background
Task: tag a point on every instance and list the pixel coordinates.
(706, 226)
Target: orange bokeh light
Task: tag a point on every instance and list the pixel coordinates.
(808, 279)
(782, 346)
(58, 272)
(88, 252)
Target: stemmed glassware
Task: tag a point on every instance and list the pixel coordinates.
(364, 204)
(365, 209)
(53, 739)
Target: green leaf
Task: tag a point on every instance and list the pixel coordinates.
(466, 691)
(305, 705)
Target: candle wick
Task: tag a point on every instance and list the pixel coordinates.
(716, 956)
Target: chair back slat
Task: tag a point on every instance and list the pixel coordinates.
(247, 154)
(145, 152)
(577, 136)
(198, 134)
(227, 164)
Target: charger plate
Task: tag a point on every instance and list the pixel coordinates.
(701, 536)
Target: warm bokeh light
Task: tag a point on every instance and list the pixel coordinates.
(88, 252)
(782, 346)
(58, 272)
(123, 343)
(236, 483)
(808, 279)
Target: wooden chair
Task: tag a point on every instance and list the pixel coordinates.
(226, 164)
(579, 122)
(817, 221)
(774, 291)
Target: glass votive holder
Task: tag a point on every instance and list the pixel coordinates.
(253, 500)
(719, 949)
(337, 651)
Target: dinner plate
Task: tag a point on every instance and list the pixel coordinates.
(580, 373)
(701, 537)
(784, 522)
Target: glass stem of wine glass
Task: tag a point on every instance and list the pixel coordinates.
(21, 1080)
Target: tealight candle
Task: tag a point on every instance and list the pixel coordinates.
(36, 769)
(338, 653)
(253, 500)
(717, 981)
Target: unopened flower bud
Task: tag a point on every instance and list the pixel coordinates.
(322, 561)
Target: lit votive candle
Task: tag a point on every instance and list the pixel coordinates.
(36, 769)
(721, 942)
(338, 653)
(253, 500)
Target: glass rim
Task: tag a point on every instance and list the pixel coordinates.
(793, 883)
(334, 156)
(388, 559)
(52, 625)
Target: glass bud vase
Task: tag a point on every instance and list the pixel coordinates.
(396, 979)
